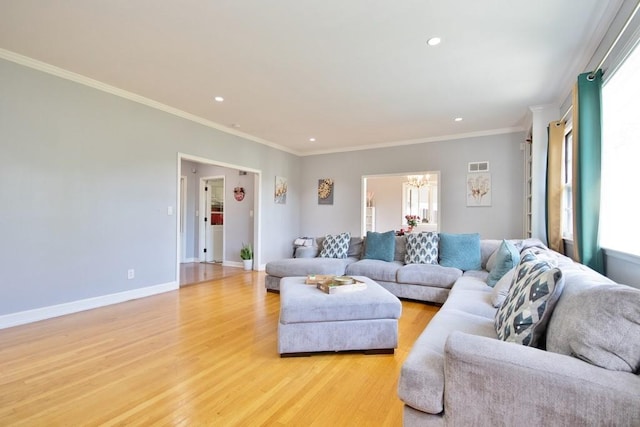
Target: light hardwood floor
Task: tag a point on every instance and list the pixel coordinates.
(203, 355)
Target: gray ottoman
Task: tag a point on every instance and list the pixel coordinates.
(312, 321)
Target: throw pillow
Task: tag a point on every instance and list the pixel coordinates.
(524, 315)
(422, 248)
(461, 251)
(335, 246)
(501, 289)
(380, 246)
(600, 325)
(507, 257)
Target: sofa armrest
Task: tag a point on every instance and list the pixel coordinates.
(491, 382)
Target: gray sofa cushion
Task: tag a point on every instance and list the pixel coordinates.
(303, 266)
(600, 325)
(428, 275)
(421, 383)
(374, 269)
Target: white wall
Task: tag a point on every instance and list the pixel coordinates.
(502, 219)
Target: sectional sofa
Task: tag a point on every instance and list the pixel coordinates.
(528, 336)
(421, 282)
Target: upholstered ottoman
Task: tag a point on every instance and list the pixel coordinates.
(312, 321)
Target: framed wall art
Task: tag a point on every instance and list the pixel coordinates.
(325, 191)
(479, 189)
(280, 194)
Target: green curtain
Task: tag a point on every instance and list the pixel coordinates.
(587, 155)
(554, 186)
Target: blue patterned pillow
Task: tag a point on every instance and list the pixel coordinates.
(422, 248)
(523, 316)
(461, 251)
(380, 246)
(335, 246)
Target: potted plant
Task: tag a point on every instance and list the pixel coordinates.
(246, 254)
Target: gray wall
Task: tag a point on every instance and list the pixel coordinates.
(503, 219)
(85, 182)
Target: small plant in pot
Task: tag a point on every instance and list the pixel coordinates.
(246, 254)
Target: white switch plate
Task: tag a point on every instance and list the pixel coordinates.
(170, 210)
(131, 273)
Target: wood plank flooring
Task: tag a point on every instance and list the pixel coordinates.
(203, 355)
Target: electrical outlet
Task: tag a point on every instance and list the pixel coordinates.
(131, 273)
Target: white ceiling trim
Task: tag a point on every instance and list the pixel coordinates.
(420, 140)
(87, 81)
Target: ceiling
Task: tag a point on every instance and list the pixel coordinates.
(351, 74)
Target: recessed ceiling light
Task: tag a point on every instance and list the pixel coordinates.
(218, 99)
(457, 119)
(312, 140)
(434, 41)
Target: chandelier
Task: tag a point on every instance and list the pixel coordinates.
(418, 181)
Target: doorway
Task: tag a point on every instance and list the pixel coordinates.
(241, 216)
(388, 199)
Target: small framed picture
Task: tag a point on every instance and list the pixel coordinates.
(325, 191)
(280, 195)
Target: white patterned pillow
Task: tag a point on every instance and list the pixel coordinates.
(422, 248)
(335, 246)
(523, 316)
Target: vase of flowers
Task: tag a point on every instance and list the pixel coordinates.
(412, 221)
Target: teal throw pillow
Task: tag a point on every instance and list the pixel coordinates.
(460, 251)
(507, 257)
(380, 246)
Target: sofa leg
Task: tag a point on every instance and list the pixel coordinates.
(380, 351)
(366, 352)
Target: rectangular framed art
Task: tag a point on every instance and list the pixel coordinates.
(479, 189)
(280, 194)
(325, 191)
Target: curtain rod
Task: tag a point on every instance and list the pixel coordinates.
(592, 75)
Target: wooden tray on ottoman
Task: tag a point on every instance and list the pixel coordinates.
(341, 284)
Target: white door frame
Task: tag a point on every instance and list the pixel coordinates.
(257, 206)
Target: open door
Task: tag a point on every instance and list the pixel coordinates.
(212, 221)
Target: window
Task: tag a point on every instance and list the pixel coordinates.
(567, 195)
(619, 228)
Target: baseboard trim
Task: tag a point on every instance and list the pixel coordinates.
(37, 314)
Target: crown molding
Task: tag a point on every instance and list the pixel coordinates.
(418, 141)
(95, 84)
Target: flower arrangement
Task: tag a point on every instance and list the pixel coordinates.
(412, 220)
